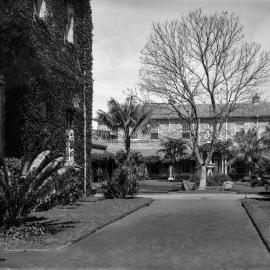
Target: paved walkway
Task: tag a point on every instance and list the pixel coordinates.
(169, 234)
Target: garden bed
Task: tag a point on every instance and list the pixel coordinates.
(62, 226)
(259, 212)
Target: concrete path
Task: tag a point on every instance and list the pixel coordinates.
(199, 196)
(169, 234)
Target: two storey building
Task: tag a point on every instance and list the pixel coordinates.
(165, 123)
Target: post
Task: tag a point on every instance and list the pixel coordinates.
(226, 129)
(222, 165)
(84, 138)
(2, 85)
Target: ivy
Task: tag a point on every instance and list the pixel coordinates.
(44, 74)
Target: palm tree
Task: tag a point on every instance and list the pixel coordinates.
(173, 150)
(130, 117)
(250, 148)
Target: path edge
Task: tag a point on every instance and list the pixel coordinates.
(256, 227)
(71, 243)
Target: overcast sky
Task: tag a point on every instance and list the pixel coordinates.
(121, 28)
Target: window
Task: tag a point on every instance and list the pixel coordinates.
(69, 32)
(185, 131)
(40, 8)
(70, 116)
(154, 135)
(103, 134)
(135, 135)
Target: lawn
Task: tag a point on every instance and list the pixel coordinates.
(245, 187)
(65, 225)
(163, 186)
(259, 212)
(158, 186)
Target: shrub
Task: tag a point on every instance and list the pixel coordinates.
(21, 190)
(101, 175)
(122, 184)
(183, 176)
(195, 179)
(66, 189)
(218, 179)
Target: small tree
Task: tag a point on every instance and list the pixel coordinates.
(249, 149)
(202, 59)
(129, 117)
(173, 151)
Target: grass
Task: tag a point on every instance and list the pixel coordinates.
(259, 212)
(68, 224)
(162, 186)
(245, 187)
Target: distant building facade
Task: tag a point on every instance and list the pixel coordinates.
(164, 124)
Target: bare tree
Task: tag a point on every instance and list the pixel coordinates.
(202, 59)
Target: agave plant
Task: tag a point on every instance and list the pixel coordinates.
(22, 191)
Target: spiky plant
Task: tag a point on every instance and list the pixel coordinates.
(21, 191)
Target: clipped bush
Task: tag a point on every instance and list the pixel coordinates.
(218, 179)
(122, 184)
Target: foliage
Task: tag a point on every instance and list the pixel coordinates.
(101, 175)
(124, 181)
(217, 179)
(194, 178)
(50, 74)
(120, 157)
(66, 189)
(219, 146)
(249, 149)
(151, 160)
(26, 231)
(22, 191)
(173, 150)
(122, 184)
(129, 117)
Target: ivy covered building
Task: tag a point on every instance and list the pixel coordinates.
(47, 77)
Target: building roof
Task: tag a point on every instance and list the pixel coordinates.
(162, 110)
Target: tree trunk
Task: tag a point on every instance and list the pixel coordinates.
(85, 142)
(127, 144)
(170, 171)
(203, 177)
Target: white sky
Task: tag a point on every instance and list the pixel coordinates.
(121, 28)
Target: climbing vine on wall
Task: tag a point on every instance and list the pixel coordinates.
(47, 75)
